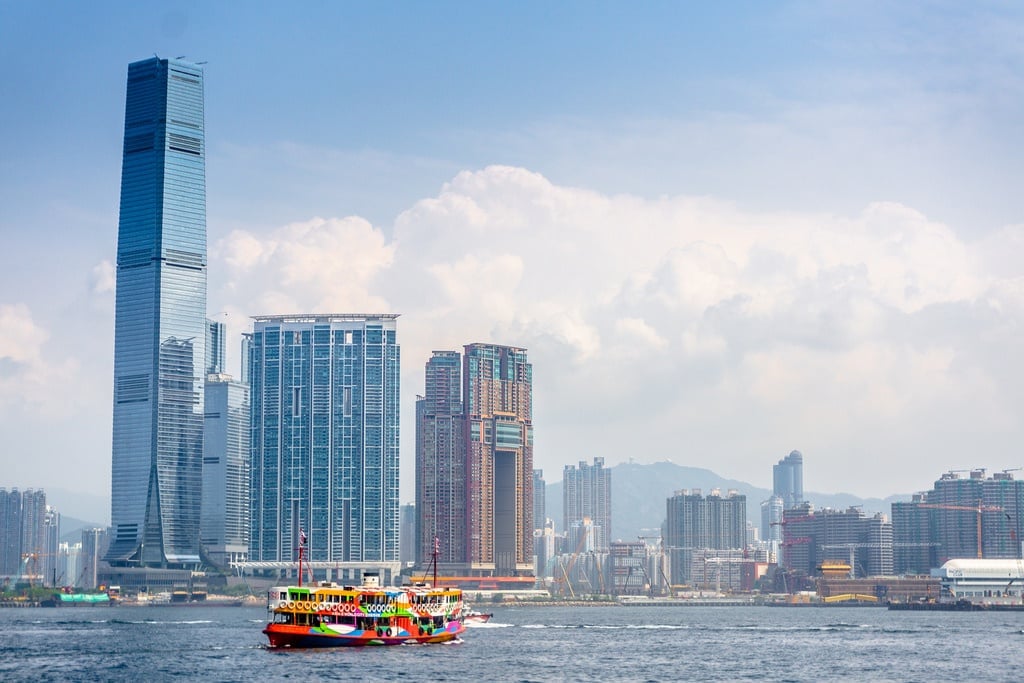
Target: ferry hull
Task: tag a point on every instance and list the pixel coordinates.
(289, 636)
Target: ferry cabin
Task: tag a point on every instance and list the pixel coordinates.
(420, 611)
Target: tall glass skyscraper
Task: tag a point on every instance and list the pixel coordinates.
(160, 319)
(788, 479)
(324, 393)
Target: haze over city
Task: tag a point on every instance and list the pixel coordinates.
(721, 233)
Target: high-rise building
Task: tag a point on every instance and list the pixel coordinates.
(788, 479)
(216, 347)
(51, 546)
(23, 519)
(540, 506)
(89, 556)
(498, 408)
(474, 461)
(587, 493)
(10, 532)
(224, 526)
(771, 519)
(694, 523)
(407, 544)
(441, 463)
(324, 396)
(811, 537)
(961, 517)
(160, 320)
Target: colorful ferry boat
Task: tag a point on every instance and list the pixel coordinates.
(329, 615)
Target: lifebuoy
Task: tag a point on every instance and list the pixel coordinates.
(389, 631)
(291, 605)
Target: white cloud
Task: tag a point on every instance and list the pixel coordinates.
(686, 326)
(26, 375)
(104, 278)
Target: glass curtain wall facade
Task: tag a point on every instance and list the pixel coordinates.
(160, 319)
(325, 437)
(498, 407)
(441, 463)
(226, 451)
(788, 479)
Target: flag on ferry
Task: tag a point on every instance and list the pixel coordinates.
(302, 537)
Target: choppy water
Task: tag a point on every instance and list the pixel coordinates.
(526, 644)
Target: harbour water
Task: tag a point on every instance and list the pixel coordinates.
(527, 644)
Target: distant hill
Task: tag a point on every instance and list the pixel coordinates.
(71, 528)
(80, 505)
(639, 493)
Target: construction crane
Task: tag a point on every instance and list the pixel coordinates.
(979, 508)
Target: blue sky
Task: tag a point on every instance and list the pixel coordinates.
(806, 215)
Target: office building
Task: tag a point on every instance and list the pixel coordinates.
(324, 391)
(441, 464)
(788, 479)
(224, 524)
(587, 493)
(498, 409)
(159, 321)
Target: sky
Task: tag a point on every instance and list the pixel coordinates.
(723, 231)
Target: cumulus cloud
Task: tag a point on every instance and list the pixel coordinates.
(25, 374)
(684, 324)
(104, 278)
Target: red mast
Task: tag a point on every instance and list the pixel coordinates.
(302, 547)
(437, 551)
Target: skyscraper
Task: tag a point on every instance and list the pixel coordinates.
(324, 394)
(441, 462)
(216, 347)
(540, 508)
(225, 512)
(498, 407)
(23, 519)
(10, 531)
(771, 518)
(788, 479)
(51, 546)
(587, 493)
(947, 520)
(160, 322)
(693, 523)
